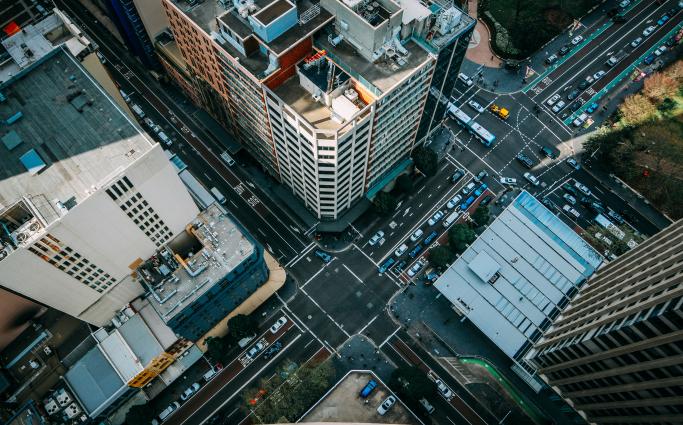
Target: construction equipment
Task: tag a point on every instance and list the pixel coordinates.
(501, 112)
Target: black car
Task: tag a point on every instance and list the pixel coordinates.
(574, 93)
(569, 188)
(564, 50)
(398, 268)
(671, 42)
(272, 350)
(583, 85)
(549, 152)
(548, 203)
(457, 176)
(487, 200)
(525, 160)
(479, 177)
(575, 106)
(615, 216)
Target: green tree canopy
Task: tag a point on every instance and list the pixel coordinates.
(404, 183)
(217, 348)
(426, 160)
(411, 383)
(384, 203)
(440, 257)
(140, 414)
(242, 326)
(459, 237)
(481, 216)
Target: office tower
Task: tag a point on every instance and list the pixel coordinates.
(84, 194)
(135, 26)
(616, 352)
(327, 96)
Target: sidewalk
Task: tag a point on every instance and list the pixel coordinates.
(479, 50)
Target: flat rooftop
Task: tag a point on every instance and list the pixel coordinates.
(382, 74)
(187, 266)
(66, 134)
(202, 13)
(519, 274)
(342, 404)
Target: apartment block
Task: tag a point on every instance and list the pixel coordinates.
(327, 96)
(84, 193)
(616, 352)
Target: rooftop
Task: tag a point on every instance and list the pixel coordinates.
(342, 404)
(379, 76)
(67, 140)
(192, 262)
(519, 274)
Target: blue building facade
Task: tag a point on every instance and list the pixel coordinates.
(127, 19)
(198, 317)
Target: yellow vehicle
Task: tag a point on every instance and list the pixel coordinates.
(501, 112)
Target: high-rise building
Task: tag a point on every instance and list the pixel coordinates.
(327, 96)
(616, 352)
(135, 27)
(84, 193)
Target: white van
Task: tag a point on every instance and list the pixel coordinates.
(218, 195)
(138, 111)
(451, 218)
(225, 156)
(164, 138)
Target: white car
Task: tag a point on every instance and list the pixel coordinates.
(553, 100)
(558, 106)
(477, 107)
(636, 42)
(465, 79)
(416, 268)
(576, 40)
(467, 189)
(386, 405)
(435, 218)
(168, 410)
(454, 202)
(417, 235)
(624, 3)
(532, 179)
(257, 348)
(509, 181)
(376, 238)
(571, 211)
(578, 122)
(598, 75)
(444, 390)
(189, 391)
(278, 324)
(569, 198)
(660, 50)
(401, 250)
(584, 189)
(649, 30)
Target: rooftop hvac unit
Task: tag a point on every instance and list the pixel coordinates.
(51, 406)
(72, 411)
(63, 398)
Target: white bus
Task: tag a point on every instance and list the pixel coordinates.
(484, 136)
(470, 125)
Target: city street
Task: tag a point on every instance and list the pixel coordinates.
(348, 295)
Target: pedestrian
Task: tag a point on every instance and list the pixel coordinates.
(491, 57)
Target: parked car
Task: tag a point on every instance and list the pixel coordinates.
(435, 218)
(466, 204)
(564, 50)
(624, 3)
(481, 175)
(558, 106)
(454, 202)
(532, 179)
(573, 94)
(583, 85)
(553, 99)
(427, 406)
(598, 75)
(660, 51)
(592, 108)
(649, 59)
(569, 188)
(376, 238)
(430, 238)
(322, 255)
(279, 323)
(469, 188)
(272, 350)
(582, 188)
(615, 216)
(573, 163)
(480, 190)
(578, 121)
(401, 250)
(368, 388)
(508, 181)
(649, 30)
(487, 200)
(443, 389)
(569, 198)
(415, 269)
(574, 106)
(551, 59)
(168, 410)
(415, 251)
(417, 235)
(576, 40)
(386, 265)
(571, 211)
(398, 268)
(189, 391)
(386, 405)
(663, 20)
(636, 42)
(257, 348)
(477, 107)
(457, 176)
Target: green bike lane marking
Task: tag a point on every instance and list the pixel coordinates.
(627, 71)
(590, 38)
(529, 409)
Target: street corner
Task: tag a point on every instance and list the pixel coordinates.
(360, 353)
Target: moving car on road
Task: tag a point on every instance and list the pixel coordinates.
(482, 174)
(636, 42)
(476, 106)
(598, 75)
(649, 30)
(573, 163)
(525, 160)
(549, 152)
(508, 181)
(323, 255)
(376, 238)
(457, 176)
(443, 389)
(532, 179)
(465, 79)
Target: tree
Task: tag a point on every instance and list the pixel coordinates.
(404, 183)
(426, 160)
(384, 203)
(440, 257)
(659, 86)
(637, 109)
(217, 348)
(242, 326)
(411, 383)
(481, 216)
(140, 414)
(459, 237)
